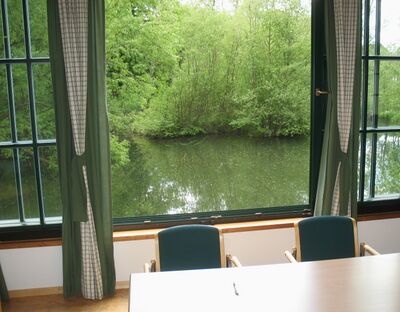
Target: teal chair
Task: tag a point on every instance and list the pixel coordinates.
(327, 237)
(190, 247)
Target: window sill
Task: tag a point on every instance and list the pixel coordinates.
(225, 228)
(120, 236)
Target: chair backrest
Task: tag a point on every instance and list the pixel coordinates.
(188, 247)
(326, 237)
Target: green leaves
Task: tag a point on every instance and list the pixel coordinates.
(179, 69)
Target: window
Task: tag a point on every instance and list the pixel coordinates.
(209, 108)
(238, 160)
(29, 192)
(380, 123)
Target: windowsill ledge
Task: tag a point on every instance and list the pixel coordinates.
(131, 235)
(226, 228)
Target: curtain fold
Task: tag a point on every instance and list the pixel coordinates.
(3, 287)
(76, 42)
(98, 144)
(337, 181)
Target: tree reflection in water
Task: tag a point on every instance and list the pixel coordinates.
(211, 173)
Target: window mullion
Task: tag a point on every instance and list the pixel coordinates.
(18, 181)
(32, 109)
(375, 103)
(6, 31)
(12, 112)
(24, 61)
(318, 104)
(364, 110)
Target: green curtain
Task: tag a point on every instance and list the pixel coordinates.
(337, 181)
(85, 178)
(3, 287)
(98, 144)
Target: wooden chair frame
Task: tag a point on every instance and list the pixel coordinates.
(360, 249)
(227, 260)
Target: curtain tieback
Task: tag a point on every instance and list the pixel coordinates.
(78, 187)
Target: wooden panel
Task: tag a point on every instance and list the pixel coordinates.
(31, 243)
(52, 290)
(57, 303)
(378, 216)
(35, 292)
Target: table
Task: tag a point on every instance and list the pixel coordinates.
(353, 284)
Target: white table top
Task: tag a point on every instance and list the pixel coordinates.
(355, 284)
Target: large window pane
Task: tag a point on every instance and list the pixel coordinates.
(20, 194)
(224, 87)
(5, 130)
(38, 21)
(388, 165)
(50, 181)
(8, 190)
(390, 27)
(211, 173)
(29, 183)
(16, 28)
(21, 99)
(384, 93)
(44, 101)
(2, 52)
(386, 162)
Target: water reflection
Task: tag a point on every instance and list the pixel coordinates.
(211, 173)
(387, 180)
(204, 174)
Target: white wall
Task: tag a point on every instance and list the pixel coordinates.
(26, 268)
(383, 235)
(42, 266)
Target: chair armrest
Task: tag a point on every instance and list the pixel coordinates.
(147, 267)
(233, 261)
(150, 267)
(367, 248)
(290, 257)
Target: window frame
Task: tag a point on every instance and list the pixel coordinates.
(318, 105)
(15, 145)
(372, 205)
(317, 123)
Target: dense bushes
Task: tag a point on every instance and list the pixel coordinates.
(176, 69)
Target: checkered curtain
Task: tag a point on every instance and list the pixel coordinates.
(3, 288)
(74, 32)
(337, 184)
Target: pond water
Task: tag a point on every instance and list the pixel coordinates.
(211, 173)
(200, 174)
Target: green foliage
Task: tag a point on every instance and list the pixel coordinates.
(42, 88)
(179, 70)
(389, 95)
(119, 152)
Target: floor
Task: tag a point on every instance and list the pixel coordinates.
(57, 303)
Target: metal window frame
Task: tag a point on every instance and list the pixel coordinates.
(372, 204)
(317, 123)
(15, 144)
(51, 230)
(318, 109)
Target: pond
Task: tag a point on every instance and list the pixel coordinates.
(211, 173)
(199, 174)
